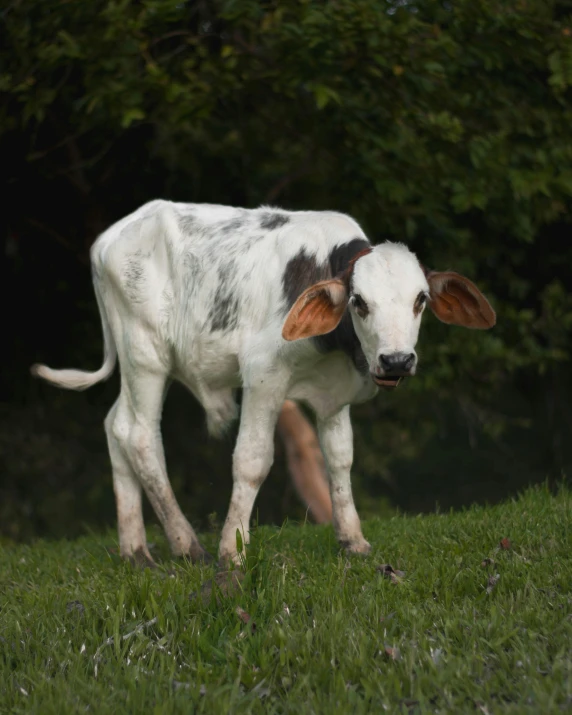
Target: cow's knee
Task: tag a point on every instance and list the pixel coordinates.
(251, 466)
(118, 430)
(340, 461)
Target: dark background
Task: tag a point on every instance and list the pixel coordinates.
(444, 125)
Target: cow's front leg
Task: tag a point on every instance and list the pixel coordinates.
(336, 439)
(252, 459)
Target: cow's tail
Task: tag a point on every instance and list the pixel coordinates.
(78, 379)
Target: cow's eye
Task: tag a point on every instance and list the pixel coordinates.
(360, 305)
(419, 303)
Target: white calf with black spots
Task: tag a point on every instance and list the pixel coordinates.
(281, 304)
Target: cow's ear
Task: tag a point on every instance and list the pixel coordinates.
(456, 300)
(317, 311)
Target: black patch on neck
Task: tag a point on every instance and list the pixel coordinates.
(269, 221)
(302, 271)
(341, 255)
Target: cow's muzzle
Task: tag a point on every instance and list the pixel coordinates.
(393, 368)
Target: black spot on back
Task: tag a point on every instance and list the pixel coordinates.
(232, 225)
(187, 223)
(270, 221)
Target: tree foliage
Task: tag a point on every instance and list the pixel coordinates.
(444, 125)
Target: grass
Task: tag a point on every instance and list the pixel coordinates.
(81, 631)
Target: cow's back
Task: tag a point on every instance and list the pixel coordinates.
(206, 278)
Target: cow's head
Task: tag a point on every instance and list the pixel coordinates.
(386, 290)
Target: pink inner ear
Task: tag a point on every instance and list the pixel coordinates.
(317, 311)
(458, 301)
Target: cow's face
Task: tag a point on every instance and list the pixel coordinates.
(386, 290)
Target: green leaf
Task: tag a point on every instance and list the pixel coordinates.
(131, 115)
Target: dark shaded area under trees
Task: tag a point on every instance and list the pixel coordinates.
(445, 125)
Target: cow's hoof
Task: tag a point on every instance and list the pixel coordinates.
(197, 555)
(141, 559)
(230, 558)
(200, 556)
(356, 548)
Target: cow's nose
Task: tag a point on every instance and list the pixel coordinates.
(397, 363)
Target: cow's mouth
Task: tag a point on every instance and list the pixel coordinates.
(388, 382)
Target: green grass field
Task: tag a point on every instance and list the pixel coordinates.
(470, 626)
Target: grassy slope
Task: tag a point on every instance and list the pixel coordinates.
(326, 628)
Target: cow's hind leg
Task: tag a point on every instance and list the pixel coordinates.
(141, 403)
(132, 539)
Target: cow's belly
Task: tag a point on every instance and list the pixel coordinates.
(209, 361)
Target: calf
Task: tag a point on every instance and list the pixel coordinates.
(284, 304)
